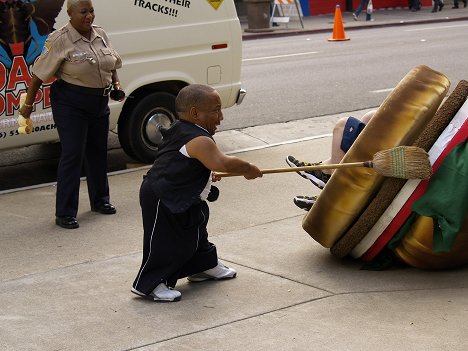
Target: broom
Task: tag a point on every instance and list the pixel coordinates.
(406, 162)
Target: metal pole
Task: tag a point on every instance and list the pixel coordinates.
(299, 13)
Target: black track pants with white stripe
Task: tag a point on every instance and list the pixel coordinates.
(174, 245)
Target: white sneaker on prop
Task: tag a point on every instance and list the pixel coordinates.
(161, 293)
(217, 273)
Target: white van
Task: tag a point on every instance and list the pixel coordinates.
(164, 44)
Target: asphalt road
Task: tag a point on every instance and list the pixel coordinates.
(305, 76)
(297, 77)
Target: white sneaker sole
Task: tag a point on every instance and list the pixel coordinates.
(303, 205)
(202, 279)
(154, 298)
(317, 182)
(301, 173)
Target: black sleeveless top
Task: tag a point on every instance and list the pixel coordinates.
(175, 178)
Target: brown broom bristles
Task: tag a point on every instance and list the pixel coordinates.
(407, 162)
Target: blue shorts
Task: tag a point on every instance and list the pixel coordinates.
(351, 131)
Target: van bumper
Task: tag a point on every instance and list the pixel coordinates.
(241, 96)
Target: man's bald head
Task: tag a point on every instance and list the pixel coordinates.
(201, 105)
(193, 95)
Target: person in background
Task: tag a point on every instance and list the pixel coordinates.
(173, 199)
(438, 5)
(414, 5)
(272, 2)
(359, 9)
(345, 132)
(455, 4)
(82, 59)
(369, 10)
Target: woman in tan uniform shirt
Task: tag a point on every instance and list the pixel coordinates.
(82, 59)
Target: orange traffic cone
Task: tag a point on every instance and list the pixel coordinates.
(338, 29)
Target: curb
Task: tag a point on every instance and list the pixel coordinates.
(329, 30)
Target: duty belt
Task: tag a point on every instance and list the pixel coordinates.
(85, 90)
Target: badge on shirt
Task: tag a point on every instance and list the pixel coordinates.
(45, 49)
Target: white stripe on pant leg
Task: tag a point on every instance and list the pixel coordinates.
(206, 225)
(198, 229)
(151, 241)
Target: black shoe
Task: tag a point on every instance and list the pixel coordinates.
(305, 202)
(67, 222)
(317, 177)
(455, 7)
(441, 6)
(105, 208)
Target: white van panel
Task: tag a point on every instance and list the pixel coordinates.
(164, 45)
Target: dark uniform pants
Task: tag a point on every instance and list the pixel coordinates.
(175, 245)
(83, 124)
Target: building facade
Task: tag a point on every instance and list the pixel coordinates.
(321, 7)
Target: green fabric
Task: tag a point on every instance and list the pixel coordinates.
(446, 199)
(398, 237)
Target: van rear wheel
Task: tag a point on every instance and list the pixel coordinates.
(138, 128)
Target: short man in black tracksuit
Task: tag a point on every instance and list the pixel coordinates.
(173, 194)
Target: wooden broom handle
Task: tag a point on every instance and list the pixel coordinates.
(367, 164)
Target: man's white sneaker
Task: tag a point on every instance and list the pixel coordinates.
(217, 273)
(161, 293)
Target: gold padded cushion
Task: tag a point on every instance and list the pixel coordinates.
(398, 121)
(416, 247)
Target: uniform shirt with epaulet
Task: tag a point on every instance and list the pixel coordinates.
(69, 56)
(176, 179)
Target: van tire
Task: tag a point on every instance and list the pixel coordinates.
(139, 124)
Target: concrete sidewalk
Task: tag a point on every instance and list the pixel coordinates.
(381, 18)
(70, 289)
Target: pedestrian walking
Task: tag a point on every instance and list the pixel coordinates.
(359, 9)
(414, 5)
(455, 4)
(369, 10)
(438, 5)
